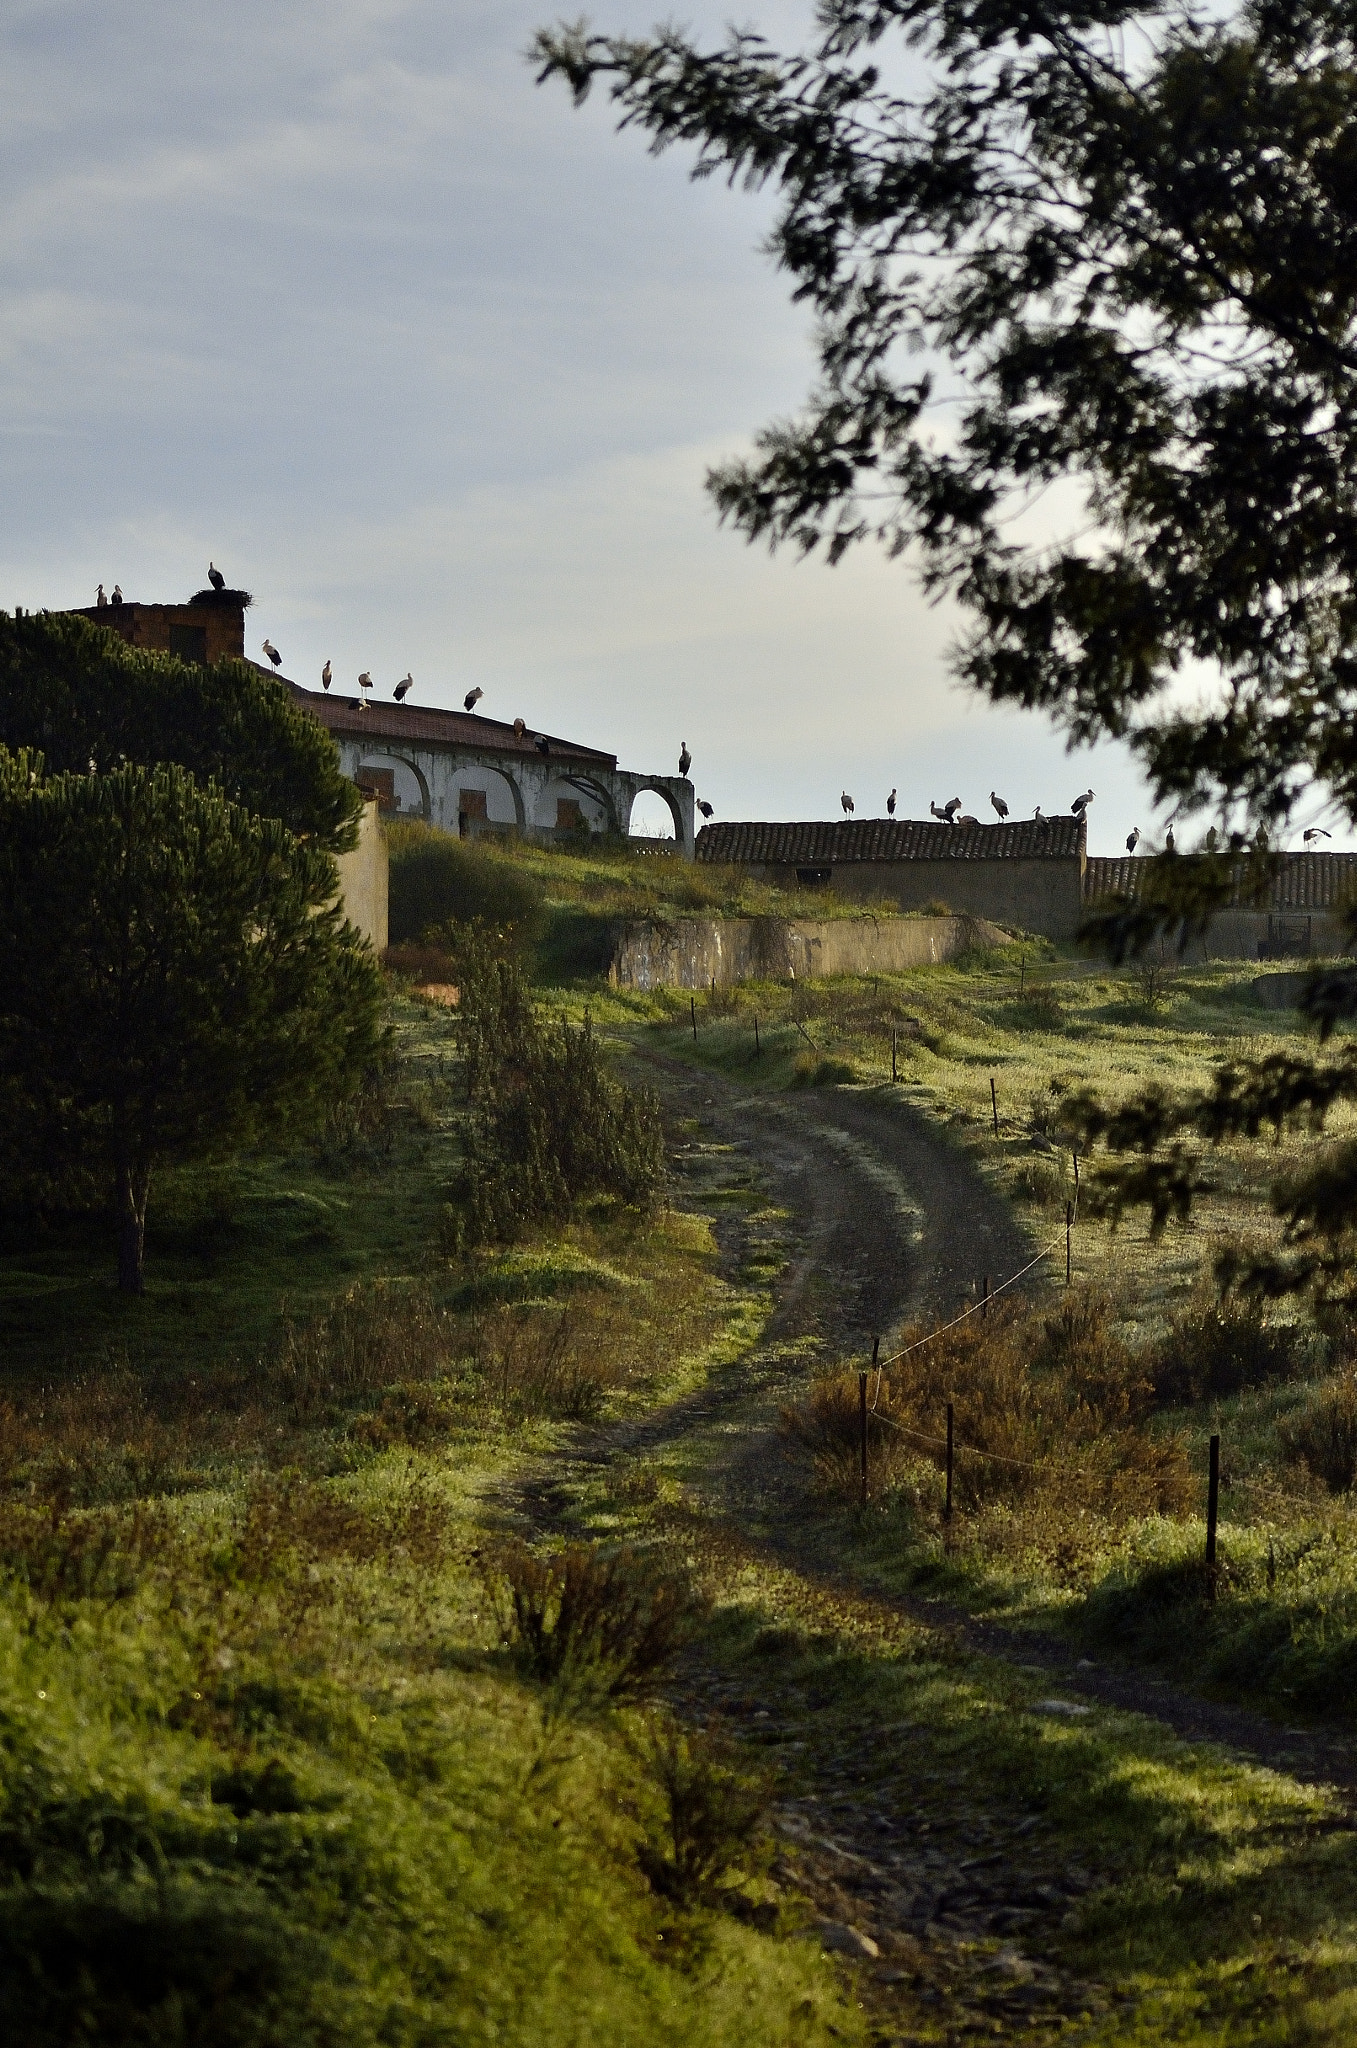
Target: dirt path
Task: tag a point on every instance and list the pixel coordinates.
(883, 1218)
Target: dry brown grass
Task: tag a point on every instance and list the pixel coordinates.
(1036, 1391)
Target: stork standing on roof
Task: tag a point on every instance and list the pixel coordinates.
(890, 805)
(847, 803)
(272, 652)
(950, 809)
(404, 686)
(685, 758)
(706, 809)
(364, 684)
(1081, 803)
(215, 577)
(1315, 832)
(472, 698)
(943, 815)
(1133, 839)
(101, 601)
(520, 728)
(542, 744)
(1000, 806)
(325, 676)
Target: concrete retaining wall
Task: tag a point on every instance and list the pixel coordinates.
(692, 952)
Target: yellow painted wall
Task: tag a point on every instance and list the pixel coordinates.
(364, 879)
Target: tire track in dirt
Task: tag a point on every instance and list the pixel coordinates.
(887, 1219)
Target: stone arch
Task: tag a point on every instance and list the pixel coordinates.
(495, 780)
(374, 757)
(660, 789)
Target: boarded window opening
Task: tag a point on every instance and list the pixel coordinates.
(378, 782)
(189, 643)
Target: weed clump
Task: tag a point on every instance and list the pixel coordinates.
(1322, 1436)
(1218, 1348)
(820, 1070)
(712, 1812)
(550, 1126)
(590, 1622)
(1034, 1391)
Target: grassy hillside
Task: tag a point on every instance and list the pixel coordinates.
(270, 1773)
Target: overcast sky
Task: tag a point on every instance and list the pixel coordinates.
(435, 365)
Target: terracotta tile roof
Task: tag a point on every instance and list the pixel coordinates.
(839, 842)
(378, 720)
(1304, 881)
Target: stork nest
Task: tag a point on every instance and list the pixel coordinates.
(239, 600)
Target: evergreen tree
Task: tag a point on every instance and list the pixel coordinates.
(84, 700)
(1111, 249)
(178, 980)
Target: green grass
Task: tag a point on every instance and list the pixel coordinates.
(268, 1774)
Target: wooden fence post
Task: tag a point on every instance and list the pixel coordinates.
(1212, 1515)
(862, 1430)
(947, 1511)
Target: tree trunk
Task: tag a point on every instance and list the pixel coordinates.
(132, 1190)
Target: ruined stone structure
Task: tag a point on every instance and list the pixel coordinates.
(476, 775)
(1026, 874)
(209, 628)
(451, 768)
(1301, 915)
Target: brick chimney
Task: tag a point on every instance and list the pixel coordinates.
(210, 627)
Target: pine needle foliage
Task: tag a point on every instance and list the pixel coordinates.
(178, 981)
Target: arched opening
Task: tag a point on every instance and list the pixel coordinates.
(485, 800)
(651, 817)
(572, 804)
(400, 789)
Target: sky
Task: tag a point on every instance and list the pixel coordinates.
(434, 364)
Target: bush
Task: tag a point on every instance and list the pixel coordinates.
(1322, 1436)
(437, 881)
(591, 1622)
(1036, 1390)
(550, 1126)
(818, 1070)
(1218, 1348)
(374, 1336)
(714, 1808)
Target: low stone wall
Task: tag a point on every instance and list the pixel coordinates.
(692, 952)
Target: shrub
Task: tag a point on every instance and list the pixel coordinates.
(1217, 1348)
(1033, 1390)
(713, 1810)
(551, 1126)
(591, 1622)
(532, 1365)
(1322, 1436)
(818, 1070)
(1038, 1010)
(437, 881)
(374, 1336)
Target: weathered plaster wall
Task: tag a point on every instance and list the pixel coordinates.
(694, 952)
(1035, 895)
(363, 881)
